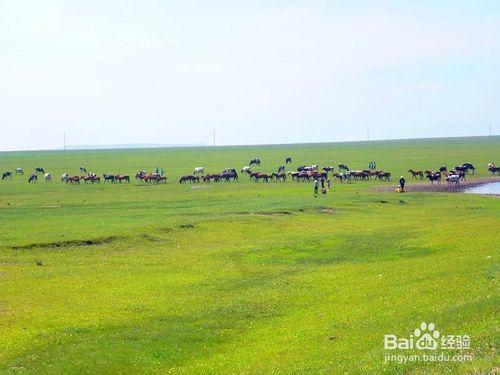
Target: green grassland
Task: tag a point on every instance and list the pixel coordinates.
(243, 277)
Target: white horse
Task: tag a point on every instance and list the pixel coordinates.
(47, 177)
(246, 169)
(19, 171)
(199, 170)
(64, 177)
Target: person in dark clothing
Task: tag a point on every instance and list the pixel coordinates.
(402, 182)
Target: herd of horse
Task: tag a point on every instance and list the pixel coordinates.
(303, 173)
(452, 176)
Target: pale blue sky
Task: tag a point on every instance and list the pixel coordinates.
(258, 72)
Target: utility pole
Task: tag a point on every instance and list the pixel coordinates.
(64, 141)
(214, 137)
(367, 134)
(490, 128)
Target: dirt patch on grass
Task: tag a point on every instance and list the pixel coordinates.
(273, 213)
(69, 243)
(443, 186)
(327, 210)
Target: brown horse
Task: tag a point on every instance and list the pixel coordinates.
(122, 178)
(263, 176)
(385, 176)
(416, 174)
(73, 180)
(279, 177)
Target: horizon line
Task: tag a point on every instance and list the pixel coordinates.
(145, 146)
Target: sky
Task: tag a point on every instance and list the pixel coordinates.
(258, 72)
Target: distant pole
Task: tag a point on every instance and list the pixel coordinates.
(367, 134)
(64, 141)
(490, 129)
(214, 137)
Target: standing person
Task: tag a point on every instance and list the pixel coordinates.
(316, 186)
(329, 183)
(402, 182)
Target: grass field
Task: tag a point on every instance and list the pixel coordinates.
(245, 277)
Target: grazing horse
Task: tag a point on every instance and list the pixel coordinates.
(73, 180)
(288, 160)
(122, 178)
(281, 168)
(47, 177)
(33, 178)
(7, 174)
(19, 171)
(359, 175)
(443, 169)
(189, 178)
(156, 178)
(91, 177)
(64, 177)
(83, 169)
(279, 177)
(228, 175)
(109, 177)
(416, 174)
(255, 161)
(262, 176)
(199, 170)
(384, 176)
(39, 170)
(328, 169)
(343, 167)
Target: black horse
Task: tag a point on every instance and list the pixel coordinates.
(255, 161)
(39, 170)
(288, 160)
(33, 178)
(469, 167)
(108, 177)
(189, 178)
(7, 174)
(281, 168)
